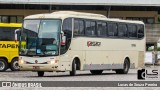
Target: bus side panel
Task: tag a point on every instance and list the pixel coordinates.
(118, 57)
(13, 54)
(67, 59)
(9, 49)
(4, 54)
(96, 57)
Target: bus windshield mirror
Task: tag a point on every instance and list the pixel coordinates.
(16, 32)
(63, 41)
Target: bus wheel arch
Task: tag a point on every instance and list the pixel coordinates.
(75, 66)
(3, 64)
(14, 64)
(127, 58)
(126, 66)
(78, 63)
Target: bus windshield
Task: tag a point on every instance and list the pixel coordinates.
(40, 37)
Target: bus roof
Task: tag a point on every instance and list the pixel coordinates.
(67, 14)
(10, 25)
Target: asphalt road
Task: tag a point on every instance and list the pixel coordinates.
(81, 76)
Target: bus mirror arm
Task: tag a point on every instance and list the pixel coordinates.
(15, 33)
(62, 33)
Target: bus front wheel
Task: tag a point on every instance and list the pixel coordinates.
(14, 65)
(3, 65)
(73, 72)
(40, 73)
(96, 72)
(125, 69)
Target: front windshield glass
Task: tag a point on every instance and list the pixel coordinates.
(40, 37)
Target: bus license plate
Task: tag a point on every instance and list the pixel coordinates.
(36, 68)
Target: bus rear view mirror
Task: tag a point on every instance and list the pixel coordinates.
(63, 41)
(15, 33)
(63, 38)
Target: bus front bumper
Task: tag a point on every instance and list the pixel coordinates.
(38, 67)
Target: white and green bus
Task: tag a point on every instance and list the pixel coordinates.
(70, 41)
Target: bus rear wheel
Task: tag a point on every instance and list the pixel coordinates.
(73, 72)
(96, 72)
(125, 69)
(14, 65)
(3, 65)
(40, 73)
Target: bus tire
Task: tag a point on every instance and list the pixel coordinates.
(3, 65)
(14, 65)
(125, 68)
(96, 72)
(73, 72)
(40, 73)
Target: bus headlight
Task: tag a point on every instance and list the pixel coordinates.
(20, 61)
(53, 62)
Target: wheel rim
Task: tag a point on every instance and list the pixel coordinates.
(15, 65)
(2, 65)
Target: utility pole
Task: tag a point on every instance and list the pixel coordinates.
(108, 9)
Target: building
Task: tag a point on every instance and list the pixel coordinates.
(13, 11)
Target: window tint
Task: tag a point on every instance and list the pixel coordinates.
(7, 34)
(112, 29)
(19, 19)
(81, 27)
(0, 19)
(90, 28)
(101, 29)
(5, 19)
(140, 29)
(78, 27)
(132, 31)
(13, 19)
(122, 30)
(67, 25)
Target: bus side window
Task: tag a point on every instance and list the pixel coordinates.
(122, 30)
(101, 29)
(7, 33)
(78, 27)
(112, 30)
(140, 29)
(90, 28)
(132, 31)
(81, 27)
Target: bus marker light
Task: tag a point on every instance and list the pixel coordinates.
(53, 62)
